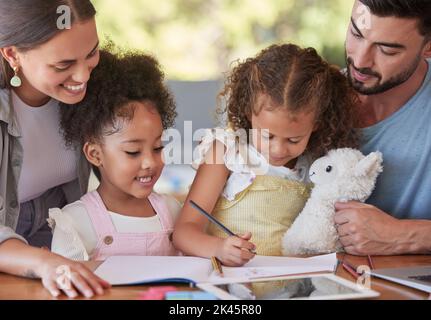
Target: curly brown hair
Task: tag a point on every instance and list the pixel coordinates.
(298, 80)
(121, 78)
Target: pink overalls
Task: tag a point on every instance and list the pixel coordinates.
(113, 243)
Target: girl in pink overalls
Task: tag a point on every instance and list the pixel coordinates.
(119, 126)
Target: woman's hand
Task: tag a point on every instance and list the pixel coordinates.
(73, 278)
(236, 251)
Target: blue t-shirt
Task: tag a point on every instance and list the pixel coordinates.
(404, 188)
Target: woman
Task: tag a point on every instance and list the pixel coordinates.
(42, 64)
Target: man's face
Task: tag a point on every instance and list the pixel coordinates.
(381, 53)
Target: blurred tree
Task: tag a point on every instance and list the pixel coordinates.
(198, 39)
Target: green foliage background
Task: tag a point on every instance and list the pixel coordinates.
(198, 39)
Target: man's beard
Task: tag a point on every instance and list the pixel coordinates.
(393, 82)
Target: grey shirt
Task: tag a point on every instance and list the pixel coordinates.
(11, 158)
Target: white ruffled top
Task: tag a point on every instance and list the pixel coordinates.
(245, 162)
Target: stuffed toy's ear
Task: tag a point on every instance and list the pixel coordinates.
(370, 164)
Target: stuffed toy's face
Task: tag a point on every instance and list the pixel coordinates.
(346, 163)
(323, 171)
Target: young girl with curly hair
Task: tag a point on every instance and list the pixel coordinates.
(285, 107)
(119, 125)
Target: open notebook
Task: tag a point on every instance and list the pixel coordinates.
(133, 270)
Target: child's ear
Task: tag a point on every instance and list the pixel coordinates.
(93, 153)
(317, 122)
(249, 117)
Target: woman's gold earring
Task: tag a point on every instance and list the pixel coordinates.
(16, 80)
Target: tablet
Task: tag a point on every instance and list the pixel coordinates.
(310, 287)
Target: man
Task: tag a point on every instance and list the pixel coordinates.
(388, 52)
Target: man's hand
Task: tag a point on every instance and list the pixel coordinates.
(366, 230)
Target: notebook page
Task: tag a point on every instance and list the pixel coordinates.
(127, 270)
(265, 266)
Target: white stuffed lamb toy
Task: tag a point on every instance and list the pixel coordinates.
(342, 175)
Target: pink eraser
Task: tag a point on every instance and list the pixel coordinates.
(156, 293)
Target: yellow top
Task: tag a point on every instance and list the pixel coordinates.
(267, 208)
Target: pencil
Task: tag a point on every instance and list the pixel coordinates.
(370, 262)
(350, 265)
(217, 266)
(350, 270)
(211, 218)
(215, 221)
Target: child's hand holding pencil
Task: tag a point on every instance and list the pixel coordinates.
(234, 251)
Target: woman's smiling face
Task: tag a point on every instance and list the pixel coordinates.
(61, 67)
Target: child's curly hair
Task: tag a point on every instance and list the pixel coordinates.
(298, 80)
(121, 78)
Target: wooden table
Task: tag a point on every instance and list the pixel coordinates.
(14, 288)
